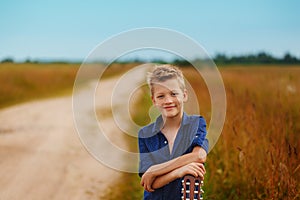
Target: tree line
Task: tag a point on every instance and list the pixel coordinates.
(259, 58)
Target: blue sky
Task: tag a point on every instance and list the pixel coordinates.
(69, 30)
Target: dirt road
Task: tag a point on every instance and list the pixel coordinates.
(41, 156)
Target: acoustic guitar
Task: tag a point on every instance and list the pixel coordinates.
(192, 188)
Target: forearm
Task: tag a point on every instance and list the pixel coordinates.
(194, 169)
(164, 173)
(197, 155)
(163, 180)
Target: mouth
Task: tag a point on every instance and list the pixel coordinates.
(169, 107)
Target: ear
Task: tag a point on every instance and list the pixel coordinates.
(185, 95)
(153, 100)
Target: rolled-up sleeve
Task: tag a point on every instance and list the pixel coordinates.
(200, 136)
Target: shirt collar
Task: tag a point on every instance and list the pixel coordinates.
(159, 121)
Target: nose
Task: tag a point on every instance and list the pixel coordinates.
(168, 99)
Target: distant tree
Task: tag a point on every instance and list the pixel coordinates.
(7, 60)
(263, 57)
(180, 62)
(221, 58)
(158, 61)
(288, 58)
(28, 60)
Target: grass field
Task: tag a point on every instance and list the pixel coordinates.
(257, 155)
(24, 82)
(20, 82)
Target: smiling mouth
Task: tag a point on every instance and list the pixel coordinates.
(169, 107)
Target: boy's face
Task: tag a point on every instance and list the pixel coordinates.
(168, 97)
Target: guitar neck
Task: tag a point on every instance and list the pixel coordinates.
(192, 188)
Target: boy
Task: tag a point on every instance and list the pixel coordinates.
(174, 145)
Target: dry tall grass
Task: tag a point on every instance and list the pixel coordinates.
(257, 155)
(23, 82)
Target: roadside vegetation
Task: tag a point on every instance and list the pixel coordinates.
(21, 82)
(25, 82)
(257, 155)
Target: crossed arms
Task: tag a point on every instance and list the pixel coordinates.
(161, 174)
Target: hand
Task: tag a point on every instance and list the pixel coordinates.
(195, 169)
(147, 180)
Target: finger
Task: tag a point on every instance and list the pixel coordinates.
(149, 189)
(142, 182)
(201, 166)
(197, 170)
(197, 167)
(200, 169)
(192, 171)
(200, 172)
(147, 186)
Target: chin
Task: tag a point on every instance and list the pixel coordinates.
(172, 115)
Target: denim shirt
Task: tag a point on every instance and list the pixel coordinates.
(154, 149)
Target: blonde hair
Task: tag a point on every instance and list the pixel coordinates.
(165, 72)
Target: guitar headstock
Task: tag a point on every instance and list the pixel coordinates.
(192, 188)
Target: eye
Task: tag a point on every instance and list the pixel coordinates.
(160, 96)
(174, 93)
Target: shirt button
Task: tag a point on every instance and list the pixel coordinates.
(166, 142)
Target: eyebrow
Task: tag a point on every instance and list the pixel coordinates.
(175, 90)
(159, 93)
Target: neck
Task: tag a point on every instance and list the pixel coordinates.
(171, 123)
